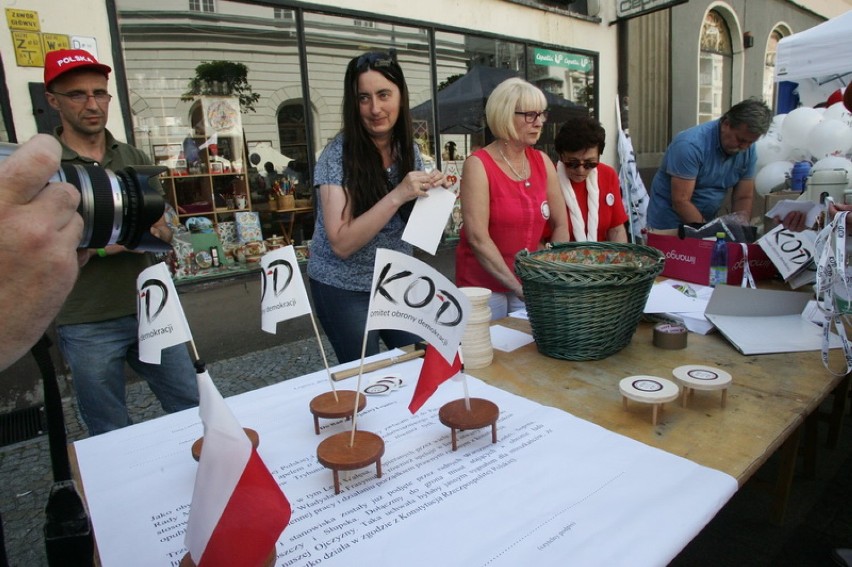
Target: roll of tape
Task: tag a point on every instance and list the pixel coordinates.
(670, 336)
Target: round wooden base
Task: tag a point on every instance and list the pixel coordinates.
(199, 443)
(648, 390)
(457, 417)
(697, 377)
(186, 560)
(327, 407)
(337, 454)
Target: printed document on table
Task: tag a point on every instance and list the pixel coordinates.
(554, 490)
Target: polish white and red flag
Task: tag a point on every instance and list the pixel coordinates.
(238, 510)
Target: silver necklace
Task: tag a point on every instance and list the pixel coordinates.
(525, 176)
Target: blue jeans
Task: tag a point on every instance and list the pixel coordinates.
(343, 316)
(96, 353)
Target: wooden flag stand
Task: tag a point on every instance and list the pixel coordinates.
(199, 443)
(340, 453)
(331, 406)
(458, 417)
(186, 560)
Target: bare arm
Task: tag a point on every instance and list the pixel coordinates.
(475, 203)
(617, 234)
(38, 244)
(346, 234)
(682, 190)
(742, 197)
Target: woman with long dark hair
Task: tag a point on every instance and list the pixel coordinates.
(367, 178)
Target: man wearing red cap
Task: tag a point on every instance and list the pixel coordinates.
(97, 326)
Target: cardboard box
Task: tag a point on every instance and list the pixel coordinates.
(688, 259)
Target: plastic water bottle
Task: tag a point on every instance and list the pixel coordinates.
(719, 261)
(799, 176)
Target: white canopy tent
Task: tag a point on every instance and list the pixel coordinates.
(818, 59)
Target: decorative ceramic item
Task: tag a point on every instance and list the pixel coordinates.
(248, 227)
(227, 232)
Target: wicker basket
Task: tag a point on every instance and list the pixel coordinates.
(585, 299)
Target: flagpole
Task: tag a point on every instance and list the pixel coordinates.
(464, 381)
(358, 387)
(325, 360)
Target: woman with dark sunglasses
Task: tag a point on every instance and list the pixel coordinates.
(367, 179)
(591, 190)
(509, 192)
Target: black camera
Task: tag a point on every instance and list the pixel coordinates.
(118, 207)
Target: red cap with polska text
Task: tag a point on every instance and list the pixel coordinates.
(59, 62)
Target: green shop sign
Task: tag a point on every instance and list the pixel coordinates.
(571, 61)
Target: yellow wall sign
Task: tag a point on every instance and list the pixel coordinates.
(26, 20)
(54, 41)
(28, 49)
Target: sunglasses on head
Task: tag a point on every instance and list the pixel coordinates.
(376, 60)
(576, 163)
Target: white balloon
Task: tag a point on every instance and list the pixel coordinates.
(775, 126)
(771, 176)
(829, 138)
(796, 129)
(837, 111)
(770, 148)
(835, 162)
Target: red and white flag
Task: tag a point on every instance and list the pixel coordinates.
(162, 323)
(238, 510)
(434, 372)
(283, 295)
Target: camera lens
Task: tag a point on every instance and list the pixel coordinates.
(118, 207)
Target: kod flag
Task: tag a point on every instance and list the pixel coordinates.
(162, 323)
(238, 509)
(283, 295)
(410, 295)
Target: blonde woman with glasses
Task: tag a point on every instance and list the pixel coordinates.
(509, 193)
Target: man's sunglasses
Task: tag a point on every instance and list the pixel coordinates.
(576, 163)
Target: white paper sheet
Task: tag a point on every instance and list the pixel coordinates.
(675, 296)
(427, 221)
(555, 490)
(507, 340)
(810, 209)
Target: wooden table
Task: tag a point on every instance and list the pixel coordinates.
(287, 226)
(770, 398)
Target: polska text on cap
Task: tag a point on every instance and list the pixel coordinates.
(59, 62)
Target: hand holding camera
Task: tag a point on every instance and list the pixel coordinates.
(40, 231)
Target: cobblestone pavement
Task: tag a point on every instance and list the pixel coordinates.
(819, 515)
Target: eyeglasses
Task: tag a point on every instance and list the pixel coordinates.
(576, 163)
(79, 97)
(531, 116)
(376, 60)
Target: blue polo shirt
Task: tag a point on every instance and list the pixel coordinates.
(697, 154)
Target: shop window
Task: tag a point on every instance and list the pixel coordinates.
(283, 14)
(769, 67)
(714, 68)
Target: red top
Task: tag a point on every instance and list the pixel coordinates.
(517, 216)
(611, 211)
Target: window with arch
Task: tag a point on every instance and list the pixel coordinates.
(292, 134)
(714, 68)
(769, 68)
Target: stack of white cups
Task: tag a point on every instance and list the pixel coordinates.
(477, 351)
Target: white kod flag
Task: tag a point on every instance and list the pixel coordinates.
(162, 323)
(409, 295)
(283, 295)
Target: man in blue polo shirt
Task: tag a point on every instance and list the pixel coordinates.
(703, 162)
